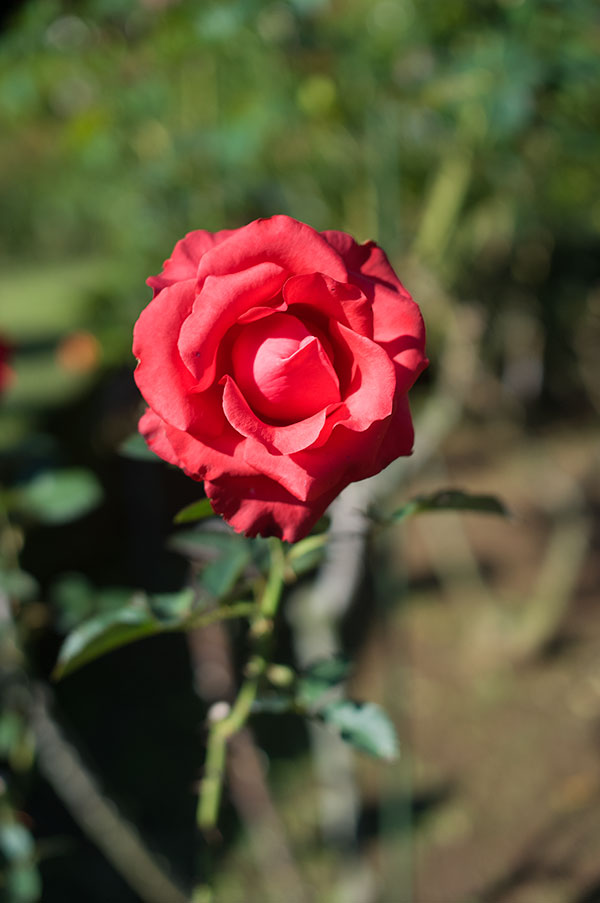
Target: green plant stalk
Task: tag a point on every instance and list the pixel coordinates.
(221, 731)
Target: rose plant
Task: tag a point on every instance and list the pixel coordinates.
(276, 363)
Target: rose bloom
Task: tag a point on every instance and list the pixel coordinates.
(276, 362)
(6, 373)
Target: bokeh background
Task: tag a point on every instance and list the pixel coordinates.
(464, 138)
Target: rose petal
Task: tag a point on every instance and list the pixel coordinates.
(161, 375)
(345, 456)
(218, 306)
(370, 393)
(338, 300)
(397, 322)
(185, 259)
(367, 258)
(398, 327)
(282, 370)
(399, 436)
(153, 429)
(286, 439)
(259, 506)
(292, 245)
(210, 457)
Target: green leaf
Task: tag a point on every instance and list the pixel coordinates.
(102, 634)
(18, 584)
(142, 617)
(172, 608)
(15, 841)
(135, 447)
(23, 883)
(58, 496)
(196, 511)
(305, 555)
(319, 679)
(73, 597)
(364, 725)
(226, 556)
(272, 705)
(450, 500)
(11, 731)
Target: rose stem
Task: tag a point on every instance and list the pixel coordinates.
(222, 730)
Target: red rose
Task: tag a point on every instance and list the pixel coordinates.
(276, 362)
(5, 372)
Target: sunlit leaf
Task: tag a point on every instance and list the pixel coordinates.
(196, 511)
(58, 496)
(102, 634)
(364, 725)
(144, 616)
(15, 841)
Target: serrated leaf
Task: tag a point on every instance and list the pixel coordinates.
(58, 496)
(364, 725)
(319, 679)
(450, 500)
(135, 447)
(196, 511)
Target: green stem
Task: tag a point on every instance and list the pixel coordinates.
(222, 730)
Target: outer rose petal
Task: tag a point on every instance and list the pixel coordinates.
(397, 322)
(152, 429)
(292, 245)
(346, 456)
(161, 375)
(368, 259)
(399, 437)
(185, 259)
(210, 458)
(259, 506)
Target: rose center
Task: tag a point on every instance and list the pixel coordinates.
(283, 370)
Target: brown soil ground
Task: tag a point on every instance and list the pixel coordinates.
(495, 680)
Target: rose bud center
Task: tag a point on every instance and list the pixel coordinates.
(283, 370)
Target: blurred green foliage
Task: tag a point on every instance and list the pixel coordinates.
(467, 132)
(126, 124)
